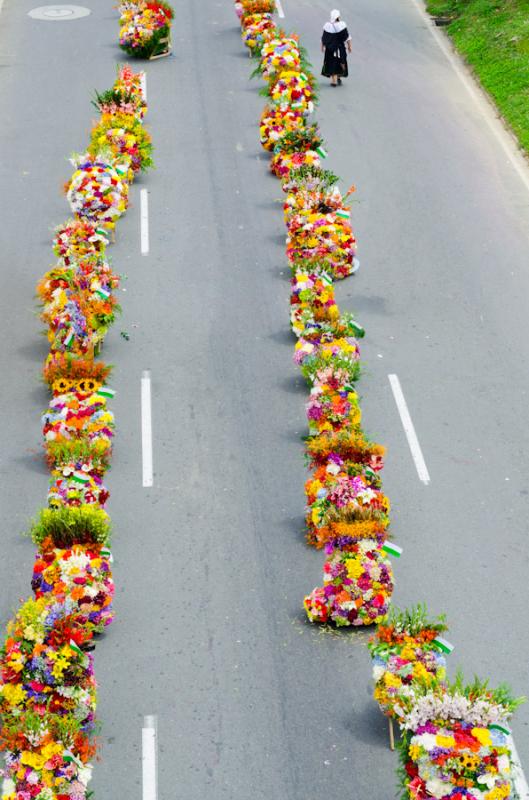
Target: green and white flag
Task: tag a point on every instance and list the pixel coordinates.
(321, 151)
(392, 549)
(103, 294)
(81, 477)
(500, 728)
(302, 75)
(358, 329)
(106, 553)
(296, 105)
(75, 647)
(326, 278)
(69, 338)
(106, 391)
(70, 758)
(343, 213)
(443, 645)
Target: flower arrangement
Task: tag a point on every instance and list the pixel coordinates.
(278, 56)
(325, 237)
(81, 574)
(126, 138)
(311, 300)
(456, 743)
(332, 406)
(98, 190)
(406, 649)
(293, 89)
(358, 583)
(145, 27)
(256, 30)
(275, 123)
(296, 149)
(77, 238)
(79, 414)
(125, 97)
(338, 496)
(77, 483)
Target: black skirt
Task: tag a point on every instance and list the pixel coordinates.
(335, 57)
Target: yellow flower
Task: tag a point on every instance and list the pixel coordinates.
(13, 693)
(415, 752)
(354, 568)
(445, 741)
(482, 735)
(33, 760)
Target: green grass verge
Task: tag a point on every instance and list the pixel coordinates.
(493, 37)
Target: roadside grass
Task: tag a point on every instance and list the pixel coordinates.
(493, 37)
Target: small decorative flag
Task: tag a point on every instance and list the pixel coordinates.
(321, 151)
(343, 213)
(81, 477)
(500, 728)
(297, 105)
(70, 758)
(106, 391)
(302, 75)
(69, 338)
(105, 553)
(443, 645)
(392, 549)
(358, 329)
(75, 647)
(103, 294)
(326, 278)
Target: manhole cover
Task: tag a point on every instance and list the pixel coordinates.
(59, 13)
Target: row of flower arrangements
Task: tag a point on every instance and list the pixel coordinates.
(47, 684)
(454, 739)
(145, 28)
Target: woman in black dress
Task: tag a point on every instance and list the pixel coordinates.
(334, 41)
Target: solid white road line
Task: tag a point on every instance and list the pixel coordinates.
(143, 79)
(280, 9)
(480, 98)
(520, 782)
(409, 429)
(144, 221)
(149, 766)
(146, 428)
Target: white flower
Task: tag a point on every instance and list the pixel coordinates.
(438, 788)
(378, 672)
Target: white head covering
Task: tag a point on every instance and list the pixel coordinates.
(335, 15)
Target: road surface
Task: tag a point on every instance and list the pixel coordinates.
(210, 564)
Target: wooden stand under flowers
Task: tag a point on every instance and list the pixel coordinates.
(167, 49)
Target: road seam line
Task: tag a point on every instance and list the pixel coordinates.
(485, 104)
(409, 430)
(146, 429)
(144, 221)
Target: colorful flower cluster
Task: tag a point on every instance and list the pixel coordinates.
(456, 743)
(347, 513)
(407, 649)
(454, 746)
(145, 28)
(47, 684)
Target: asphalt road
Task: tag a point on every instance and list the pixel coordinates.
(211, 566)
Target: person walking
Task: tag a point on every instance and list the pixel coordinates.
(334, 41)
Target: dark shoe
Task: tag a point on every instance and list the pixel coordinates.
(334, 85)
(339, 81)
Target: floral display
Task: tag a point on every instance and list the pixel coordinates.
(81, 574)
(98, 190)
(275, 123)
(145, 28)
(358, 583)
(293, 90)
(126, 138)
(301, 148)
(456, 743)
(80, 414)
(278, 56)
(342, 495)
(407, 648)
(47, 683)
(257, 29)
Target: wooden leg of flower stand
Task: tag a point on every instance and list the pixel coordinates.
(391, 735)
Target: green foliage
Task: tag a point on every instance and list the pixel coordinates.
(67, 526)
(402, 746)
(311, 366)
(321, 178)
(413, 620)
(299, 141)
(77, 450)
(502, 694)
(493, 37)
